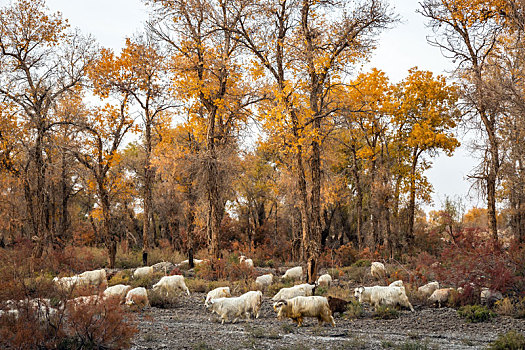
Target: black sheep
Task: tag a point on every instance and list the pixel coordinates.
(337, 305)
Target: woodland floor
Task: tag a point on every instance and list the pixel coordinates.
(189, 326)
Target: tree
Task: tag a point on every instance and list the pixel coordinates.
(140, 73)
(305, 47)
(103, 132)
(40, 61)
(468, 32)
(425, 116)
(207, 79)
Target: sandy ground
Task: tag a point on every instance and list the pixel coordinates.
(189, 326)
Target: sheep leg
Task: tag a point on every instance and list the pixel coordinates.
(299, 321)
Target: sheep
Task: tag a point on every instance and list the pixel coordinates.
(398, 283)
(230, 308)
(117, 291)
(295, 273)
(73, 304)
(253, 301)
(196, 262)
(378, 270)
(244, 260)
(428, 289)
(264, 281)
(299, 307)
(220, 292)
(380, 295)
(324, 280)
(137, 296)
(304, 289)
(39, 307)
(67, 284)
(440, 296)
(170, 284)
(95, 278)
(489, 296)
(141, 272)
(164, 266)
(337, 305)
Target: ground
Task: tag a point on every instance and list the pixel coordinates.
(189, 326)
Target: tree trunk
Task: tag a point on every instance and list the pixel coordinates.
(412, 200)
(148, 181)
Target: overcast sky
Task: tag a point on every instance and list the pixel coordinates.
(399, 49)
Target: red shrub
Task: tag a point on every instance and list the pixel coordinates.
(475, 260)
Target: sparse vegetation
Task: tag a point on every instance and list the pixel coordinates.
(476, 313)
(511, 340)
(384, 312)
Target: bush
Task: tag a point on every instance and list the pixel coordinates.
(321, 290)
(225, 269)
(509, 341)
(121, 277)
(362, 263)
(354, 309)
(476, 313)
(102, 325)
(384, 312)
(505, 307)
(160, 300)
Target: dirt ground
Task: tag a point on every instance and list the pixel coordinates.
(189, 326)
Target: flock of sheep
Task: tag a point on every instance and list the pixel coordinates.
(295, 302)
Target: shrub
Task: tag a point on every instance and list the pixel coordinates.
(505, 307)
(354, 309)
(146, 281)
(362, 263)
(520, 308)
(476, 313)
(121, 277)
(334, 273)
(357, 273)
(225, 269)
(160, 300)
(384, 312)
(409, 345)
(511, 340)
(321, 290)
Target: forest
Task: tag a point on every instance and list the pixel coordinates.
(245, 125)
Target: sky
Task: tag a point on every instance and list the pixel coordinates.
(399, 49)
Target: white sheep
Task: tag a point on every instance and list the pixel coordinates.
(489, 296)
(196, 262)
(380, 295)
(295, 273)
(398, 283)
(137, 296)
(95, 278)
(141, 272)
(299, 307)
(82, 301)
(117, 291)
(220, 292)
(304, 289)
(67, 284)
(253, 301)
(229, 308)
(244, 260)
(170, 284)
(378, 270)
(428, 289)
(264, 281)
(440, 296)
(324, 280)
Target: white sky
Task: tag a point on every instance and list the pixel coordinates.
(399, 49)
